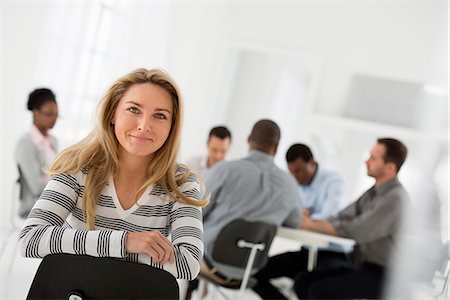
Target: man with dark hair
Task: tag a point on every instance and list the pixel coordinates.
(321, 191)
(395, 151)
(253, 188)
(219, 140)
(373, 221)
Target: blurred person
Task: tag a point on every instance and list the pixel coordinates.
(322, 191)
(119, 191)
(373, 221)
(218, 144)
(36, 149)
(252, 188)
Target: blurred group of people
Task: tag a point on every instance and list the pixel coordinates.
(254, 188)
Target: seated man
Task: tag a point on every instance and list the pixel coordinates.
(253, 188)
(373, 221)
(321, 191)
(218, 143)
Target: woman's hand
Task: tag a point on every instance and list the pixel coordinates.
(152, 243)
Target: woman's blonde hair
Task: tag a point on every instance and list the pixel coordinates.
(99, 150)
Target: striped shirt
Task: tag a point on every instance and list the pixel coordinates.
(57, 224)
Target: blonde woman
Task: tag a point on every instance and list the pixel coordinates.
(119, 192)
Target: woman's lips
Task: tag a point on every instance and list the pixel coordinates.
(141, 138)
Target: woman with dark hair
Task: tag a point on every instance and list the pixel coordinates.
(36, 149)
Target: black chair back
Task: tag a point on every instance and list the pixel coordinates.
(226, 250)
(61, 275)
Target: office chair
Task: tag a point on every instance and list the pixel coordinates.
(77, 277)
(243, 244)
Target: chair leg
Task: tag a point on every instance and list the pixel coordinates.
(247, 272)
(312, 258)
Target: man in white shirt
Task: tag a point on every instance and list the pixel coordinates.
(218, 143)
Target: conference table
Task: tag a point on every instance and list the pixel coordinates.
(314, 241)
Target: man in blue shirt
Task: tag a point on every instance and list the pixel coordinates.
(322, 191)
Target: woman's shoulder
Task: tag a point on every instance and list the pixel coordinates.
(25, 140)
(25, 150)
(183, 171)
(189, 183)
(77, 177)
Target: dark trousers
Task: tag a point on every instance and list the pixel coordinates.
(364, 282)
(291, 264)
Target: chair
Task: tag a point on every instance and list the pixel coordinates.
(243, 244)
(76, 277)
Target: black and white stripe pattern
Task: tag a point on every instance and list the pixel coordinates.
(103, 243)
(186, 211)
(157, 191)
(132, 257)
(31, 249)
(57, 224)
(79, 242)
(106, 201)
(71, 182)
(58, 198)
(157, 211)
(183, 265)
(56, 240)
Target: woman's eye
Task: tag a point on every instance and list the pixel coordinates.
(133, 110)
(160, 116)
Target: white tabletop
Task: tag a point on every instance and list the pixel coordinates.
(314, 241)
(310, 238)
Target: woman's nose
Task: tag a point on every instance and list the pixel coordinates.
(144, 124)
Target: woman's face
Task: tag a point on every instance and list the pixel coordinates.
(45, 116)
(142, 120)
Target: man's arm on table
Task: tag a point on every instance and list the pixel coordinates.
(322, 226)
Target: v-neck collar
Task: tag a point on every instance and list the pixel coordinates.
(123, 213)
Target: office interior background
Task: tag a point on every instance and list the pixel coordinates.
(334, 75)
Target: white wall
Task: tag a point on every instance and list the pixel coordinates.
(398, 40)
(19, 58)
(405, 41)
